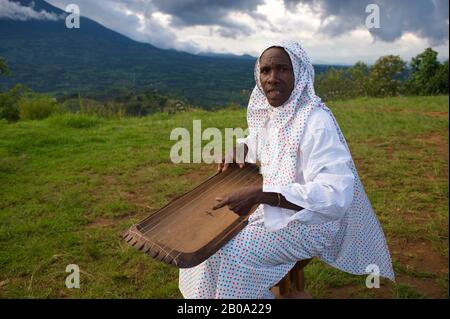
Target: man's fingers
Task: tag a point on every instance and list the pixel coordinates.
(225, 167)
(221, 203)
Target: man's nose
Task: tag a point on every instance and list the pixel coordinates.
(273, 77)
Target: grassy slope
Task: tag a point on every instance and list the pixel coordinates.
(69, 187)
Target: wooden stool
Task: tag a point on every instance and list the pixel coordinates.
(293, 284)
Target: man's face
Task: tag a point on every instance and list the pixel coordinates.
(276, 76)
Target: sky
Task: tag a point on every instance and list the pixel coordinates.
(331, 31)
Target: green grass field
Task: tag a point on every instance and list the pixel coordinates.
(71, 185)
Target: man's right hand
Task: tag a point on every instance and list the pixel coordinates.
(232, 156)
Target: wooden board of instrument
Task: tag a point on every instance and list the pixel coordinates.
(187, 231)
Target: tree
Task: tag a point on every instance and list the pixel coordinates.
(359, 77)
(334, 84)
(9, 101)
(4, 70)
(384, 76)
(440, 80)
(427, 74)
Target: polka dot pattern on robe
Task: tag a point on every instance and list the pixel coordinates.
(256, 259)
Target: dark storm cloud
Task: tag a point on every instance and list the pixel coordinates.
(207, 12)
(204, 12)
(425, 18)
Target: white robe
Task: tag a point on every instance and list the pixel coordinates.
(324, 181)
(330, 227)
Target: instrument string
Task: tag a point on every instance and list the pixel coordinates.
(249, 181)
(164, 208)
(229, 178)
(157, 222)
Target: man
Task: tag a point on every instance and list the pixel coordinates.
(311, 202)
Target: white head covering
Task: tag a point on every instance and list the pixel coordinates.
(360, 241)
(279, 155)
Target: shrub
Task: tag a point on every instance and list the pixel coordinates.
(9, 100)
(8, 108)
(38, 107)
(75, 120)
(385, 76)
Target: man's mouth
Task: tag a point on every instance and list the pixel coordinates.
(273, 93)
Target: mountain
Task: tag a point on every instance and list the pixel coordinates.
(227, 55)
(96, 61)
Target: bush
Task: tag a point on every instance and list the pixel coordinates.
(428, 75)
(38, 107)
(440, 79)
(9, 109)
(385, 76)
(75, 120)
(92, 107)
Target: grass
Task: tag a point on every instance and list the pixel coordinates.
(70, 185)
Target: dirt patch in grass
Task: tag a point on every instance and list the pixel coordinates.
(200, 173)
(421, 266)
(418, 256)
(354, 292)
(343, 292)
(426, 113)
(140, 198)
(425, 286)
(436, 140)
(100, 223)
(436, 114)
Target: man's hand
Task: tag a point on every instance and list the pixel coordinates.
(241, 201)
(233, 157)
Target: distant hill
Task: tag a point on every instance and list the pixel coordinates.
(96, 61)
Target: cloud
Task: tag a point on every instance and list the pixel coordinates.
(332, 31)
(204, 12)
(15, 11)
(186, 13)
(136, 19)
(425, 18)
(240, 18)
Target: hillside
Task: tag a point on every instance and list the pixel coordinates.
(96, 61)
